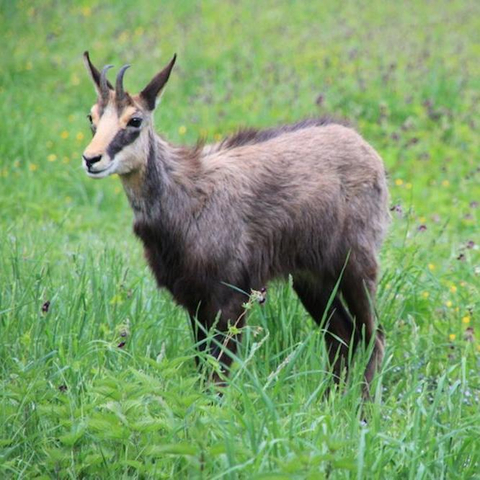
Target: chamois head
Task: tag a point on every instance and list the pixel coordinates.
(120, 122)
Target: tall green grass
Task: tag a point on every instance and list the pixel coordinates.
(101, 382)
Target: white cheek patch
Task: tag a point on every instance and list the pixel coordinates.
(133, 156)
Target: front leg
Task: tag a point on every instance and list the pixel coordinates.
(217, 325)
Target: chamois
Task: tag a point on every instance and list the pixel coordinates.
(308, 200)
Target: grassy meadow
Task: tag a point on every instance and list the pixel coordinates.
(97, 377)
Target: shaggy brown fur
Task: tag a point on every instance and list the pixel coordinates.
(308, 199)
(250, 136)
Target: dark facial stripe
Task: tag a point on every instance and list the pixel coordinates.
(123, 138)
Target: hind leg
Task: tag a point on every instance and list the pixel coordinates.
(340, 334)
(359, 286)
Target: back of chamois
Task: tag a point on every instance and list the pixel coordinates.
(308, 200)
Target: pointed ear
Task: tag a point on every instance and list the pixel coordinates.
(151, 92)
(94, 73)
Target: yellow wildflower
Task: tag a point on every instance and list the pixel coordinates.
(182, 130)
(398, 182)
(452, 337)
(123, 37)
(431, 267)
(64, 134)
(466, 319)
(52, 157)
(32, 167)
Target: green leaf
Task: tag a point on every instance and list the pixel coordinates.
(72, 438)
(171, 449)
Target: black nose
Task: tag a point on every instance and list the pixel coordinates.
(90, 161)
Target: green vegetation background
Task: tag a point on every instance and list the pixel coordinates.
(73, 404)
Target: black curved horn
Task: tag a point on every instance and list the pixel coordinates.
(119, 85)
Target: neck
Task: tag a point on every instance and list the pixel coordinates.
(164, 184)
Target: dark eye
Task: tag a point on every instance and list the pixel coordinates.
(92, 125)
(134, 122)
